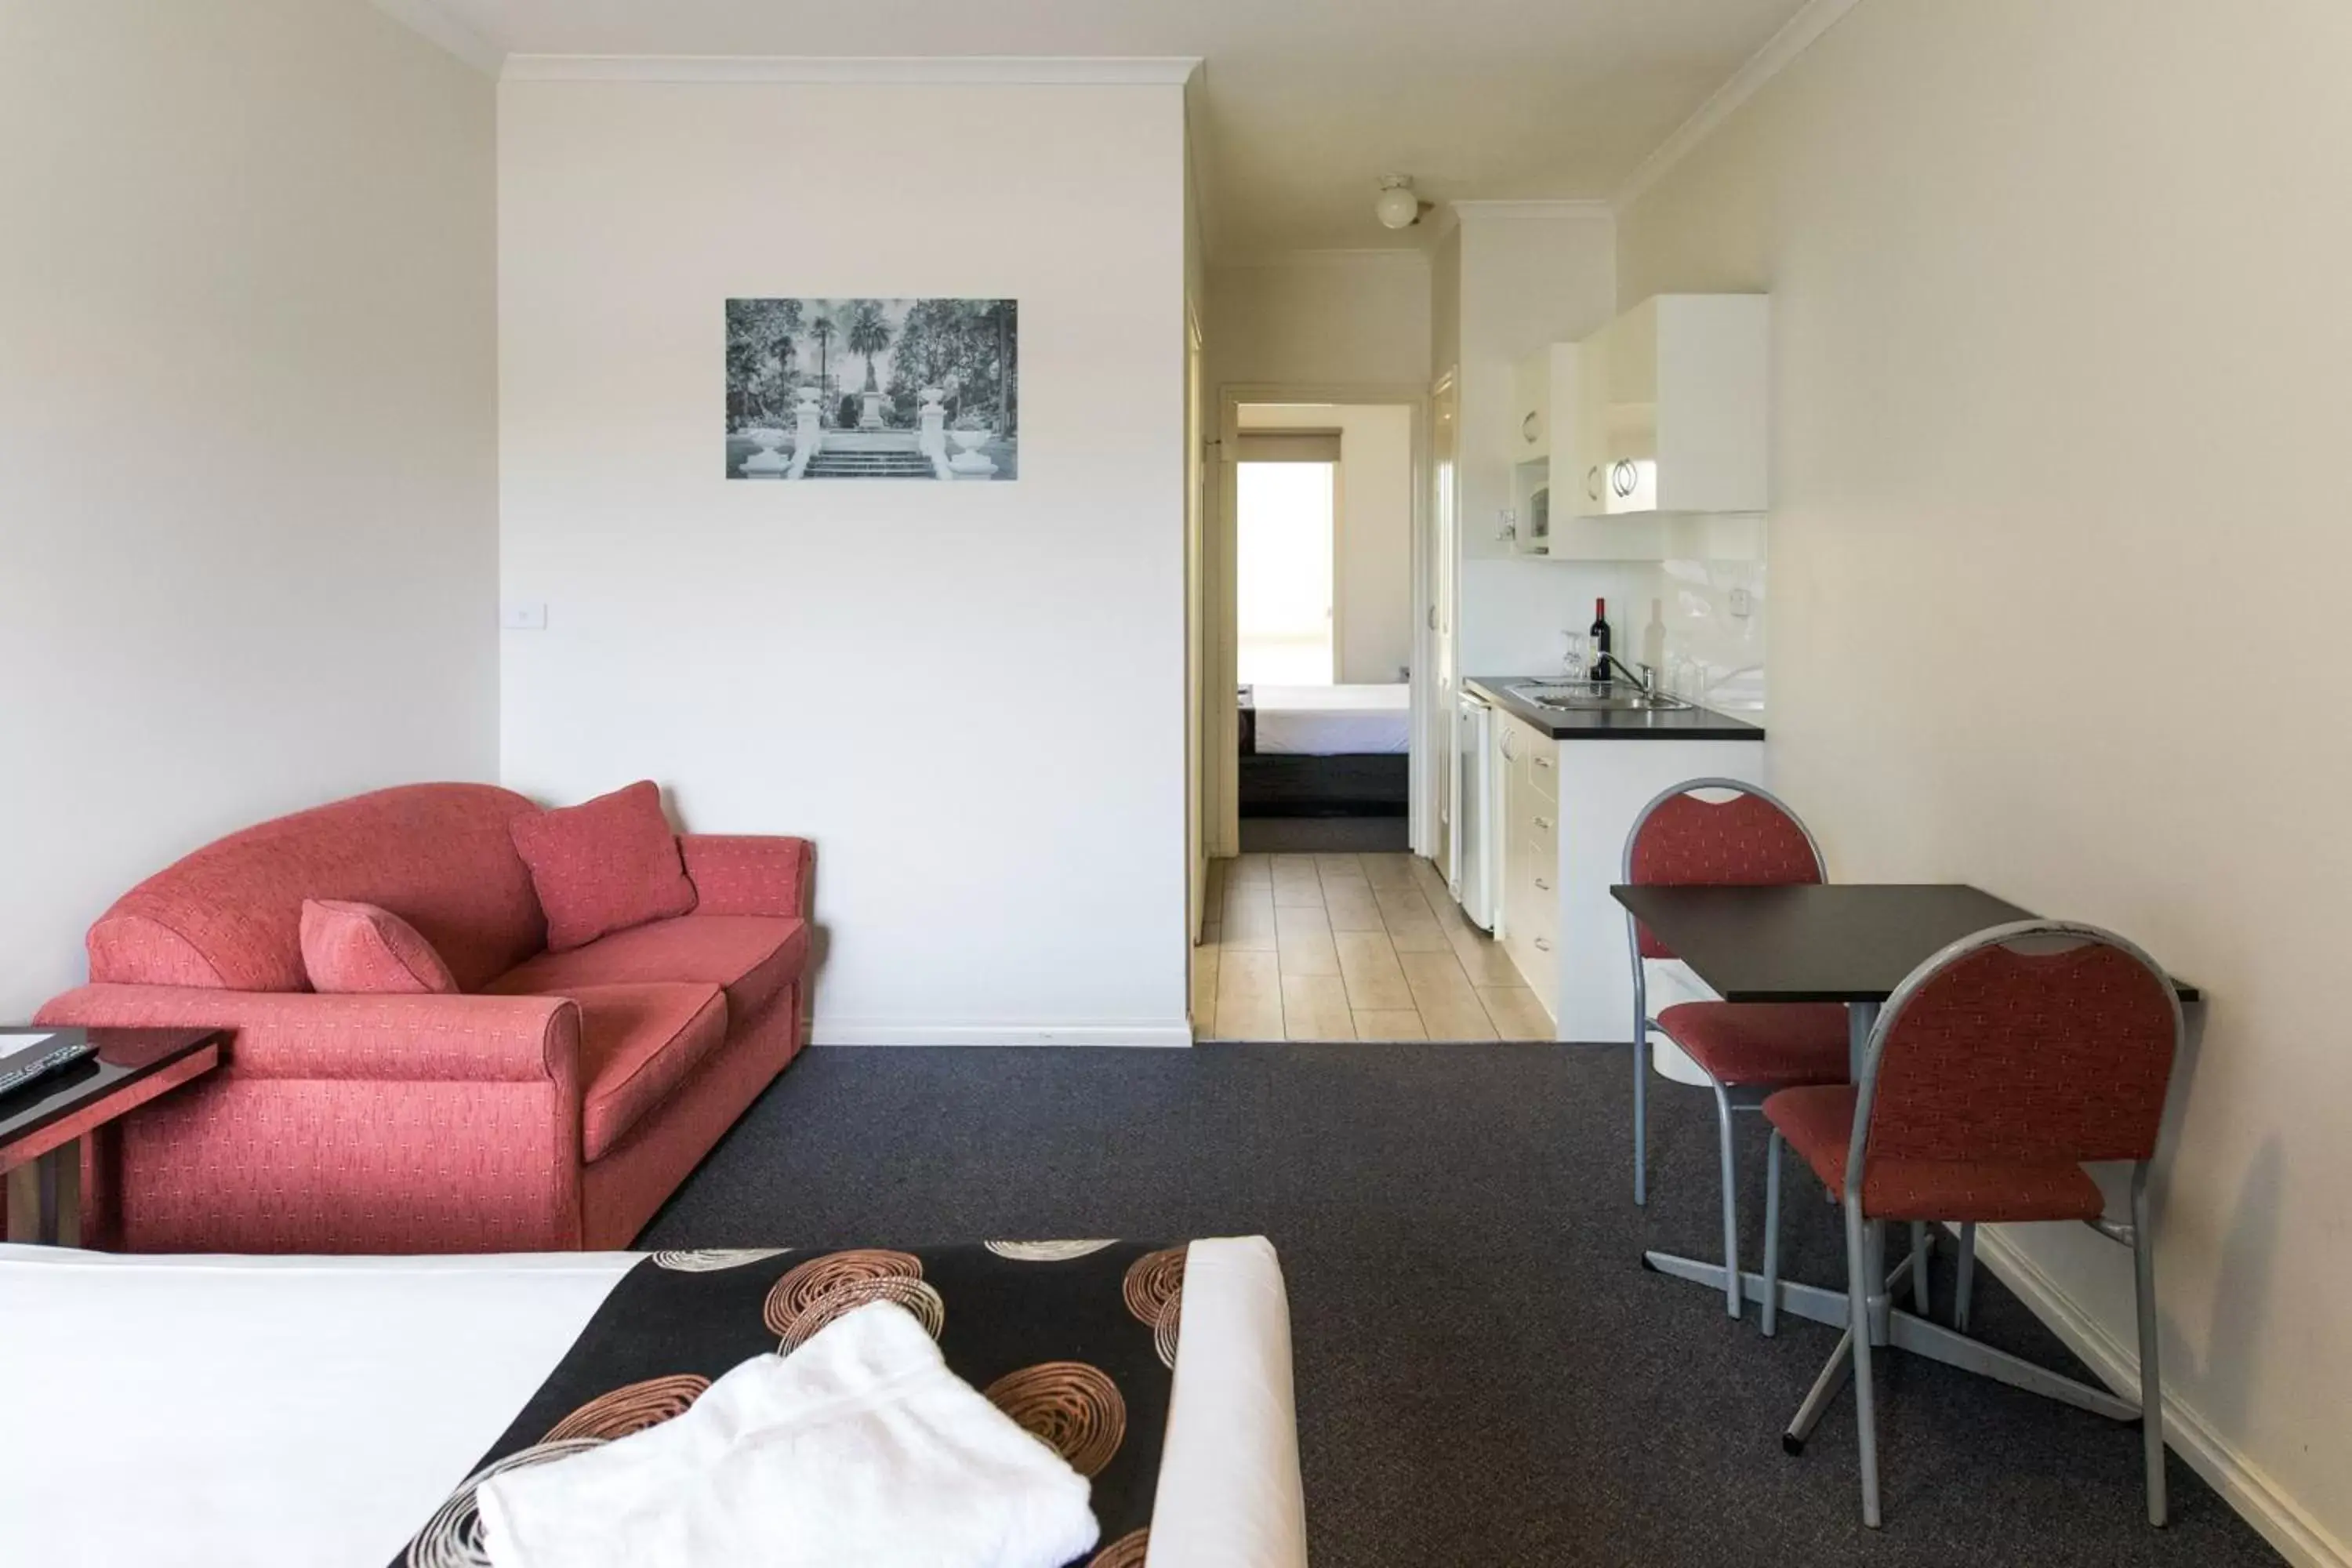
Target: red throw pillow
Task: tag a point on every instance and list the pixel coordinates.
(361, 949)
(603, 866)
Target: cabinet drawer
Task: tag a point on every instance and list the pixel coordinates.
(1534, 885)
(1538, 887)
(1536, 955)
(1543, 767)
(1540, 876)
(1539, 825)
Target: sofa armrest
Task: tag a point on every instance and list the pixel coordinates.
(749, 874)
(299, 1034)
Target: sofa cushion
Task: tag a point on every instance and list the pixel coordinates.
(228, 916)
(604, 865)
(752, 956)
(637, 1043)
(355, 948)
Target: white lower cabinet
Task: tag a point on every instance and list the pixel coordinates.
(1567, 807)
(1531, 859)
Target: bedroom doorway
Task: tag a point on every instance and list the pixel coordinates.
(1323, 594)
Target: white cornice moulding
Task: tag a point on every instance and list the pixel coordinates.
(926, 71)
(1578, 209)
(427, 18)
(1327, 255)
(1568, 207)
(1801, 33)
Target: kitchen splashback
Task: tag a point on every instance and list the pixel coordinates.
(1714, 613)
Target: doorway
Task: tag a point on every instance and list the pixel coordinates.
(1323, 508)
(1325, 728)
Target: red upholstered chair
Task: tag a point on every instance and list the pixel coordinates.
(1997, 1070)
(1746, 1049)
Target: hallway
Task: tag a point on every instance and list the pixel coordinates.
(1350, 947)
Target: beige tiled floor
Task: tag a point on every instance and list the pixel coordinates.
(1350, 947)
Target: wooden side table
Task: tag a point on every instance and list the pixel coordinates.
(43, 1124)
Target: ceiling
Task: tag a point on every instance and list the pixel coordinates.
(1302, 104)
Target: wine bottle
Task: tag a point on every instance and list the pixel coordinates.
(1599, 668)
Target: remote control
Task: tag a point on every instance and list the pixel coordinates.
(16, 1078)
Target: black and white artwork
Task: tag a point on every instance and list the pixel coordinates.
(873, 389)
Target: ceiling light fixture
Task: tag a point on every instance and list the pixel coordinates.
(1396, 206)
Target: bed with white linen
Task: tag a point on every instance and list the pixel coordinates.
(1333, 720)
(314, 1412)
(1325, 750)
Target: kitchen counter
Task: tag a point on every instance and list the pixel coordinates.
(1677, 724)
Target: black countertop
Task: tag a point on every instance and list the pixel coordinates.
(1677, 724)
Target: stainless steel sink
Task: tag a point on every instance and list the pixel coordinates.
(1596, 697)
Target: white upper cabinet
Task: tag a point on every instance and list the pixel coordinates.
(1533, 380)
(1660, 417)
(1671, 411)
(1546, 384)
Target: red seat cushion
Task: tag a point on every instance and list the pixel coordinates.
(1760, 1043)
(1818, 1122)
(754, 956)
(603, 866)
(636, 1044)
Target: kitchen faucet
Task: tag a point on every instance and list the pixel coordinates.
(1647, 680)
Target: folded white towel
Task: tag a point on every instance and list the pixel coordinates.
(859, 1447)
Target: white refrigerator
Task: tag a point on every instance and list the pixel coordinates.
(1472, 825)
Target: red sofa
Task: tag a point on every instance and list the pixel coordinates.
(554, 1104)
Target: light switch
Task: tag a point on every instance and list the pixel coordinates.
(523, 615)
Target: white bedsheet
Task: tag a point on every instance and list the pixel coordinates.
(313, 1412)
(1332, 720)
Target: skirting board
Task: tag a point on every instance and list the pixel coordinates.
(1158, 1034)
(2242, 1485)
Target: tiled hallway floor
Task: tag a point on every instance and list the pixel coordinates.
(1350, 947)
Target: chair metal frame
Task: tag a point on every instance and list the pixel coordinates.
(1870, 1319)
(1728, 1098)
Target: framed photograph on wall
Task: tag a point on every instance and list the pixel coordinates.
(873, 389)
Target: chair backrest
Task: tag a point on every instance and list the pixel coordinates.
(2039, 1041)
(1750, 840)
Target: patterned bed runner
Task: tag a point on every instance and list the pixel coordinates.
(1074, 1339)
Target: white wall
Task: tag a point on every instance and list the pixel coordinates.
(2063, 358)
(971, 696)
(1321, 319)
(1445, 301)
(1529, 273)
(1372, 544)
(246, 436)
(1532, 273)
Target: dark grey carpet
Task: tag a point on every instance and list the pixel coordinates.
(1485, 1373)
(1324, 835)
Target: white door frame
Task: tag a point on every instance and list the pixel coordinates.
(1197, 577)
(1221, 766)
(1437, 600)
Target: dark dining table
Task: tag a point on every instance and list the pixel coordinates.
(1853, 943)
